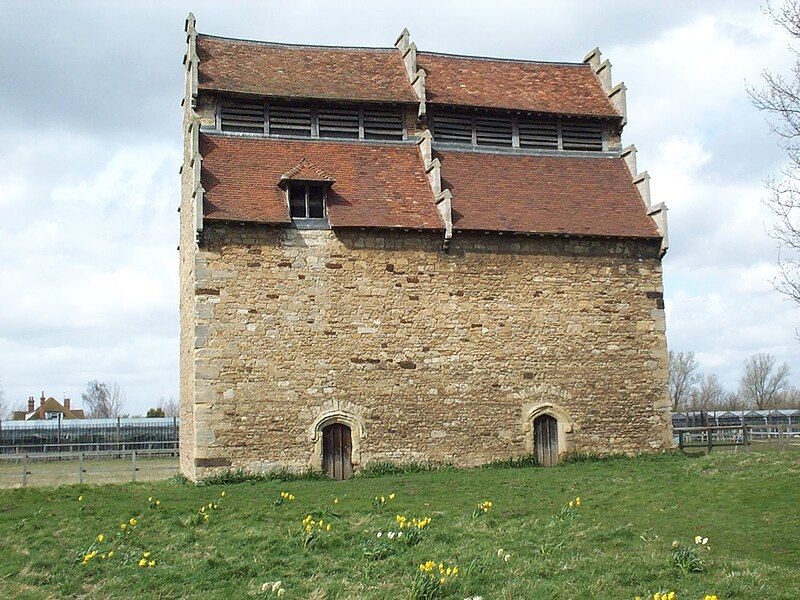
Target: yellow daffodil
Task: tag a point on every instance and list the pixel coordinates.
(146, 554)
(158, 502)
(133, 521)
(143, 562)
(151, 563)
(101, 538)
(110, 553)
(150, 499)
(328, 527)
(391, 496)
(80, 498)
(222, 494)
(336, 501)
(123, 526)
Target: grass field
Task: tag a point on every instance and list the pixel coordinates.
(616, 544)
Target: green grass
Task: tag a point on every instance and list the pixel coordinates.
(617, 544)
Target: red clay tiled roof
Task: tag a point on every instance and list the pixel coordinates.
(544, 194)
(266, 69)
(514, 85)
(376, 185)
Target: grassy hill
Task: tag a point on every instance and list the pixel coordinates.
(618, 543)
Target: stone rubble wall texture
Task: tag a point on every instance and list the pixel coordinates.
(431, 356)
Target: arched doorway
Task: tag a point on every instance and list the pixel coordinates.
(337, 451)
(545, 439)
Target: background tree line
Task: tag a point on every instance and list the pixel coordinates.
(763, 384)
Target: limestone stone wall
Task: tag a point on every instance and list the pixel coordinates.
(425, 355)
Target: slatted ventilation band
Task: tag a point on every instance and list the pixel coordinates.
(245, 117)
(539, 133)
(581, 136)
(341, 122)
(476, 129)
(289, 120)
(383, 124)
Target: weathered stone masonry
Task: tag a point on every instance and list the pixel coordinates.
(433, 356)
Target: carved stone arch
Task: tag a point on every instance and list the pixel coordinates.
(336, 411)
(544, 399)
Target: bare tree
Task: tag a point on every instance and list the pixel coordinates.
(709, 394)
(170, 407)
(3, 406)
(763, 381)
(102, 402)
(683, 378)
(780, 99)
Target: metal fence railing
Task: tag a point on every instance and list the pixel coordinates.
(81, 435)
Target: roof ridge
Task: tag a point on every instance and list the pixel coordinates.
(386, 49)
(502, 59)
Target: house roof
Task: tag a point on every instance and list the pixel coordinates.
(376, 185)
(563, 88)
(294, 71)
(544, 194)
(50, 405)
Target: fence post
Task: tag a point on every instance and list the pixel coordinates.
(133, 466)
(782, 437)
(708, 440)
(745, 437)
(680, 441)
(25, 470)
(80, 468)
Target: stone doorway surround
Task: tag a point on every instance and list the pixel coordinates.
(561, 416)
(345, 413)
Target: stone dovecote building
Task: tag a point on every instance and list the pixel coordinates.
(390, 254)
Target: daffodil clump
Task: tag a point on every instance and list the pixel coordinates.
(146, 562)
(568, 510)
(314, 531)
(505, 556)
(153, 502)
(689, 558)
(661, 596)
(482, 509)
(284, 497)
(203, 514)
(431, 578)
(273, 588)
(381, 501)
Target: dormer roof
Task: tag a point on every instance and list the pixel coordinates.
(305, 171)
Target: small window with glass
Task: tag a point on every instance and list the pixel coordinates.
(306, 201)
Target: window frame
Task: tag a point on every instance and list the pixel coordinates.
(307, 185)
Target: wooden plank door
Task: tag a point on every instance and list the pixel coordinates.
(545, 431)
(337, 450)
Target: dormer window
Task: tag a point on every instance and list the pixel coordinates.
(306, 201)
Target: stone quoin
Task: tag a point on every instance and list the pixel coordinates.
(389, 254)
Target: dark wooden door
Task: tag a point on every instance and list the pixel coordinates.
(545, 440)
(337, 450)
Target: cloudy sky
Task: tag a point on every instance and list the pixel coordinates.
(90, 150)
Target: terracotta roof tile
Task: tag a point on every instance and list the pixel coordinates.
(514, 85)
(318, 72)
(305, 171)
(376, 185)
(544, 194)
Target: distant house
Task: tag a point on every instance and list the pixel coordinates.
(49, 408)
